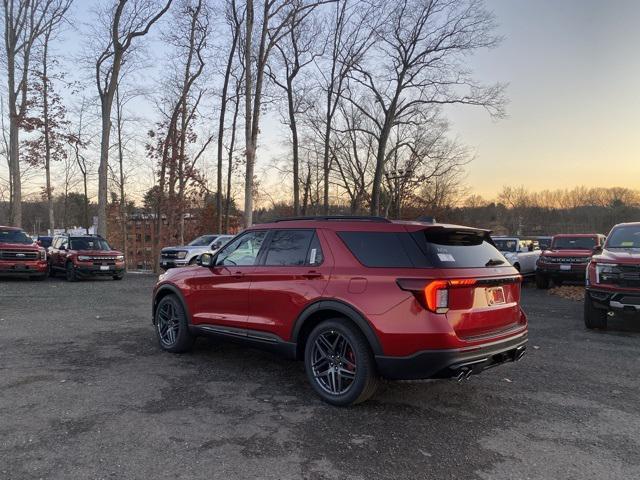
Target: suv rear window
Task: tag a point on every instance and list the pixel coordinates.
(429, 248)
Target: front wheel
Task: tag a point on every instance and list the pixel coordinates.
(594, 317)
(172, 326)
(71, 273)
(339, 363)
(120, 276)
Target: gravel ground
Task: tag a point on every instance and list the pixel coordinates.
(85, 393)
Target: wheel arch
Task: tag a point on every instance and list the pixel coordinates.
(321, 310)
(165, 290)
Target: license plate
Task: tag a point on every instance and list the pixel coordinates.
(565, 267)
(104, 267)
(495, 296)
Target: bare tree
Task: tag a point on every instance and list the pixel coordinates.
(417, 62)
(297, 50)
(278, 17)
(234, 20)
(24, 23)
(78, 141)
(128, 21)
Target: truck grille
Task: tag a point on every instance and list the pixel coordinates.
(18, 255)
(169, 254)
(624, 276)
(567, 259)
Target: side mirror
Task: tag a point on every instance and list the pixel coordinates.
(207, 260)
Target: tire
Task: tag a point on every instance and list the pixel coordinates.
(172, 326)
(193, 260)
(594, 317)
(52, 271)
(326, 347)
(542, 281)
(71, 272)
(118, 277)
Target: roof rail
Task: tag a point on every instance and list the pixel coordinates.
(356, 218)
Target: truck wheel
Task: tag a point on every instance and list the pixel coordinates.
(339, 363)
(52, 271)
(71, 272)
(594, 317)
(542, 281)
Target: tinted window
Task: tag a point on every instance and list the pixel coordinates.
(505, 244)
(574, 243)
(435, 247)
(243, 251)
(88, 243)
(625, 237)
(202, 241)
(14, 236)
(384, 249)
(289, 247)
(315, 256)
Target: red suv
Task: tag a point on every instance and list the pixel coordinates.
(81, 256)
(355, 298)
(566, 258)
(19, 254)
(613, 277)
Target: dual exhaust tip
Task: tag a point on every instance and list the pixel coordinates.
(464, 372)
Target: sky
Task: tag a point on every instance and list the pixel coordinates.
(573, 118)
(574, 114)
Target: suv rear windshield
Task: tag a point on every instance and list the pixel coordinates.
(625, 237)
(88, 243)
(14, 236)
(574, 243)
(429, 248)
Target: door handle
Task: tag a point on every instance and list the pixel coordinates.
(238, 274)
(312, 274)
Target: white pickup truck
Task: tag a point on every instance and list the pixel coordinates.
(522, 254)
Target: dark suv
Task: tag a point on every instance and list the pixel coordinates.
(80, 256)
(613, 277)
(355, 298)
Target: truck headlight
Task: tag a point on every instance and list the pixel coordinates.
(120, 258)
(603, 270)
(181, 255)
(43, 254)
(83, 258)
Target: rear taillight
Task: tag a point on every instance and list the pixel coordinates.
(434, 294)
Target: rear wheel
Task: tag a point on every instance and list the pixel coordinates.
(542, 281)
(71, 272)
(172, 326)
(594, 317)
(339, 363)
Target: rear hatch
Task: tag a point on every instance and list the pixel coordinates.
(473, 284)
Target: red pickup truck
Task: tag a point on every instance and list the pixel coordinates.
(20, 255)
(567, 258)
(613, 277)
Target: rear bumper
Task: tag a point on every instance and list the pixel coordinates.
(23, 268)
(451, 362)
(621, 300)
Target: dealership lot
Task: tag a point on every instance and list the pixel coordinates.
(86, 393)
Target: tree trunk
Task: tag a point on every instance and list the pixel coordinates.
(47, 131)
(294, 141)
(15, 170)
(123, 204)
(104, 165)
(232, 145)
(250, 148)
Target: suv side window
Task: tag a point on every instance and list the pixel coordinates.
(315, 255)
(289, 248)
(63, 242)
(243, 251)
